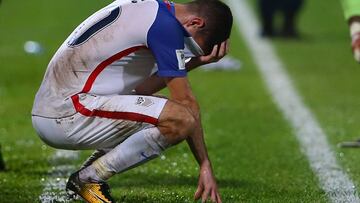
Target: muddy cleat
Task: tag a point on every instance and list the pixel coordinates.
(90, 192)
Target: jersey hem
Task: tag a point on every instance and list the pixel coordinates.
(171, 74)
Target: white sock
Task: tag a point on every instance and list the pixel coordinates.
(93, 157)
(134, 151)
(87, 172)
(90, 175)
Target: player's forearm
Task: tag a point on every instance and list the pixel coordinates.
(196, 140)
(198, 148)
(196, 62)
(180, 92)
(155, 83)
(192, 64)
(151, 85)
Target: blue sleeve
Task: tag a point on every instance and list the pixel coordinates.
(166, 41)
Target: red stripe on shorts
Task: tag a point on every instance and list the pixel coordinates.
(112, 114)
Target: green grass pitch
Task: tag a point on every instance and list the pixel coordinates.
(255, 155)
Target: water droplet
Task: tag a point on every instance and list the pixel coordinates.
(33, 47)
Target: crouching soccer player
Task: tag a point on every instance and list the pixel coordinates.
(97, 90)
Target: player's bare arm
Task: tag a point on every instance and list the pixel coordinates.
(180, 92)
(155, 83)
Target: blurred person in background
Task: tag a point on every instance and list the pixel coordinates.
(289, 10)
(352, 15)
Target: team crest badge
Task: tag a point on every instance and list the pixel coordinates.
(144, 101)
(181, 58)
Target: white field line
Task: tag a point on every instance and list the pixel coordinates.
(54, 185)
(333, 180)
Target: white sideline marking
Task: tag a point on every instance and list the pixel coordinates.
(54, 185)
(334, 181)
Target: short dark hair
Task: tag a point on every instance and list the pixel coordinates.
(218, 21)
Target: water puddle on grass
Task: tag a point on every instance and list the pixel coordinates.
(54, 184)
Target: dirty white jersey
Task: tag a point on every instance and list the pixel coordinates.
(112, 52)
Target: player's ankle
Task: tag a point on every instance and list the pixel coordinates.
(94, 174)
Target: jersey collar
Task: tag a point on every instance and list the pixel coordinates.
(170, 6)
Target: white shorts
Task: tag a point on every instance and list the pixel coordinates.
(100, 122)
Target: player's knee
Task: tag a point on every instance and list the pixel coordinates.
(177, 123)
(183, 123)
(187, 123)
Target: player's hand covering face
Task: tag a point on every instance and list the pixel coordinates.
(218, 52)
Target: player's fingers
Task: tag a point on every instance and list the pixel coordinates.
(213, 196)
(227, 46)
(218, 198)
(214, 51)
(198, 193)
(222, 50)
(205, 195)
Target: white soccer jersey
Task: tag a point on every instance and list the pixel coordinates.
(112, 52)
